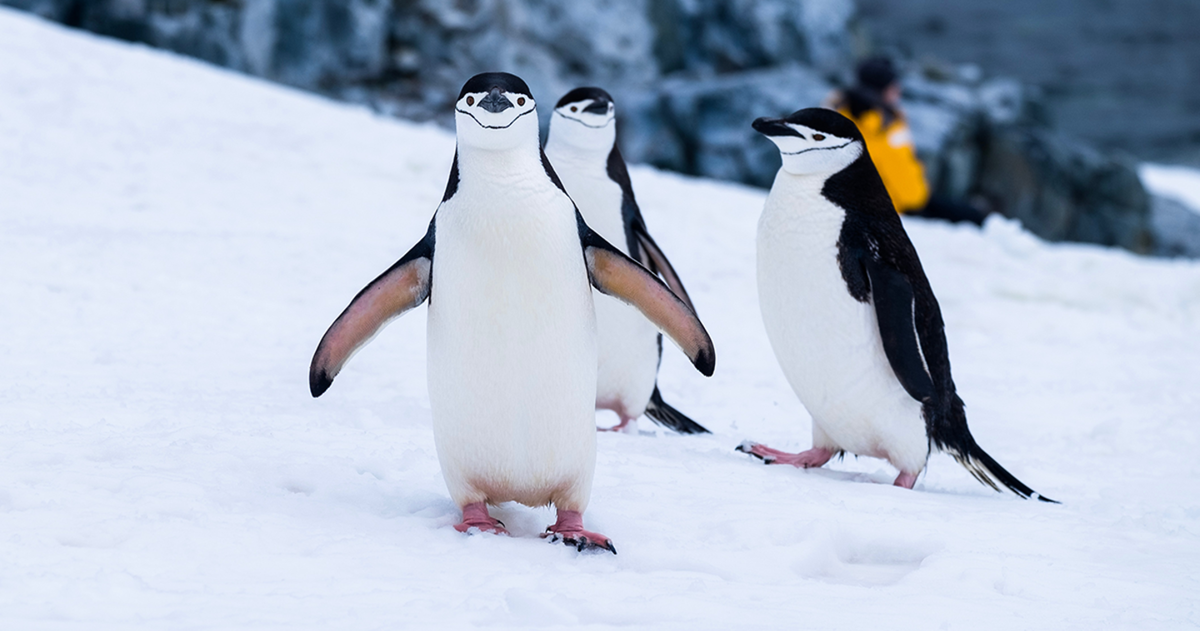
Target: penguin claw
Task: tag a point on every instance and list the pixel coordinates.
(748, 447)
(569, 530)
(581, 542)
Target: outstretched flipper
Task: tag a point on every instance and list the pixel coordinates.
(402, 287)
(619, 276)
(897, 312)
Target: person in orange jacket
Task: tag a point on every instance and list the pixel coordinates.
(874, 105)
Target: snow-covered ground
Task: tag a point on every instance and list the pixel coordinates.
(175, 239)
(1179, 183)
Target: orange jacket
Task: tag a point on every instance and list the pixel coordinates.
(891, 150)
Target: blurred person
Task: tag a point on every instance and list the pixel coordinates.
(873, 103)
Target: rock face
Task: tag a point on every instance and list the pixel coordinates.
(688, 76)
(703, 127)
(1059, 178)
(987, 140)
(411, 56)
(1100, 62)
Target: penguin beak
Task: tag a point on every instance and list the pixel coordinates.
(772, 127)
(495, 102)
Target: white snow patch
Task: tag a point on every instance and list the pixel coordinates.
(1179, 183)
(175, 239)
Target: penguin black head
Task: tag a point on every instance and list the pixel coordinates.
(584, 118)
(492, 111)
(813, 140)
(587, 100)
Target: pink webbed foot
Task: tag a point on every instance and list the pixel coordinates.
(476, 516)
(628, 424)
(906, 480)
(619, 427)
(812, 458)
(569, 530)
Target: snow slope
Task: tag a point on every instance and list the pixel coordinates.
(1179, 183)
(175, 239)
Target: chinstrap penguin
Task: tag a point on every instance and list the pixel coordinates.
(582, 145)
(850, 314)
(508, 266)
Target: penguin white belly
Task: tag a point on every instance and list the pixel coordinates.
(627, 343)
(512, 352)
(827, 342)
(627, 366)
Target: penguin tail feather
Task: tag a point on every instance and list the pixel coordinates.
(663, 414)
(989, 472)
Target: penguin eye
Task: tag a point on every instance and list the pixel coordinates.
(574, 109)
(521, 101)
(818, 137)
(470, 100)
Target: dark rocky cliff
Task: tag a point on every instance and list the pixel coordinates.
(688, 75)
(1120, 74)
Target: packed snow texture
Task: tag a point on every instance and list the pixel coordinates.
(175, 239)
(1179, 183)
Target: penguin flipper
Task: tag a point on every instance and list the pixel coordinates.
(617, 275)
(893, 298)
(654, 260)
(402, 287)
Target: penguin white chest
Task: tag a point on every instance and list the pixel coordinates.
(627, 343)
(512, 355)
(826, 342)
(596, 195)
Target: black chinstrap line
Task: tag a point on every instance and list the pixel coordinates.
(815, 149)
(581, 122)
(510, 124)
